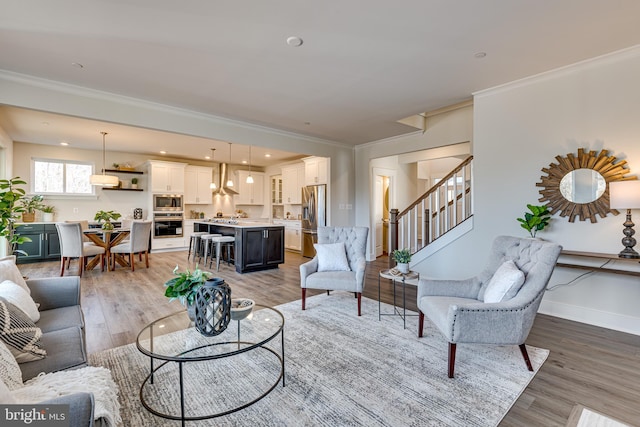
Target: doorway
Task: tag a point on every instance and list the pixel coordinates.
(381, 203)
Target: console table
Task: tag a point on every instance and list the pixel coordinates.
(604, 259)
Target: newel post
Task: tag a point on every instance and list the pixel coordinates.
(393, 235)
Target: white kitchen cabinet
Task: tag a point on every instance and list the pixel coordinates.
(293, 178)
(316, 170)
(292, 239)
(197, 190)
(276, 190)
(187, 231)
(166, 177)
(249, 194)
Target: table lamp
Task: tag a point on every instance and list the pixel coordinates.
(626, 195)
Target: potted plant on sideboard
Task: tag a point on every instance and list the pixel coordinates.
(30, 205)
(535, 221)
(47, 213)
(107, 217)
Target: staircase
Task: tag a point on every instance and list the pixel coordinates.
(446, 209)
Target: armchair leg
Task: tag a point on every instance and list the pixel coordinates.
(359, 295)
(304, 296)
(452, 358)
(420, 323)
(523, 350)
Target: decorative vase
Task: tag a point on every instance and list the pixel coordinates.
(47, 216)
(28, 216)
(403, 267)
(213, 307)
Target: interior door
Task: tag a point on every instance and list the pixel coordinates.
(378, 213)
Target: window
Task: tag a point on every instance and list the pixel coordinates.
(61, 177)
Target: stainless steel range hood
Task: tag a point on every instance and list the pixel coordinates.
(222, 189)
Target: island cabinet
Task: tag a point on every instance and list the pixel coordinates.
(44, 244)
(259, 248)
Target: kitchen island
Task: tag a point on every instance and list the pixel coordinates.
(259, 246)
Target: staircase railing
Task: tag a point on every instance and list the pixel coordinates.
(444, 205)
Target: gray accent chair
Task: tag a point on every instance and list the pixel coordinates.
(73, 246)
(458, 310)
(355, 241)
(138, 243)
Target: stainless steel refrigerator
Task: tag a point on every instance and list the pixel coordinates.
(314, 207)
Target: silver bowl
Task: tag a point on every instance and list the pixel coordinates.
(241, 308)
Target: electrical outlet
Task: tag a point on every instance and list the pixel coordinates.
(341, 206)
(75, 210)
(349, 206)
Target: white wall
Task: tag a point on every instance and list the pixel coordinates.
(518, 129)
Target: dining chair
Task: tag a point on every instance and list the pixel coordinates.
(72, 246)
(138, 243)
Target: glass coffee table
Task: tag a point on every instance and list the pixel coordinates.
(172, 342)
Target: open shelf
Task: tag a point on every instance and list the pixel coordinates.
(122, 189)
(123, 171)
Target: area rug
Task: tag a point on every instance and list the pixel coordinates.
(584, 417)
(341, 370)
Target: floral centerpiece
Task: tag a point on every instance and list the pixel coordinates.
(107, 217)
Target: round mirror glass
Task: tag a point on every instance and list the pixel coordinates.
(582, 186)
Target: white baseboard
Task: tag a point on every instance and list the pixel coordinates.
(592, 316)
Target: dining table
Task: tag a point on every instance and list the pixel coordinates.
(107, 239)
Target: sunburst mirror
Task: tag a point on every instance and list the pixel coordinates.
(577, 186)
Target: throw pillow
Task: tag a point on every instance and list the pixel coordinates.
(332, 257)
(505, 283)
(19, 333)
(17, 296)
(9, 271)
(10, 373)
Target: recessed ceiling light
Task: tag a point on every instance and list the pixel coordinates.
(163, 152)
(244, 162)
(207, 157)
(77, 65)
(267, 155)
(294, 41)
(45, 123)
(307, 123)
(480, 55)
(64, 143)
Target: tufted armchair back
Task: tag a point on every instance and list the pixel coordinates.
(354, 238)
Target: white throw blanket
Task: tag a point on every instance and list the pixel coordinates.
(90, 379)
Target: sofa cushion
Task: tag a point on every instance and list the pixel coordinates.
(65, 349)
(505, 283)
(19, 333)
(9, 271)
(332, 257)
(60, 318)
(19, 297)
(10, 373)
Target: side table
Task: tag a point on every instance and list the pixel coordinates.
(410, 278)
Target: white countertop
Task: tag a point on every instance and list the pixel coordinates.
(240, 224)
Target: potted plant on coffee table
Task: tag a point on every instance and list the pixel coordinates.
(402, 258)
(107, 217)
(184, 286)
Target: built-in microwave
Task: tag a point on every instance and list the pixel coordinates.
(167, 202)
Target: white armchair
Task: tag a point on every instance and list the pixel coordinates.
(313, 274)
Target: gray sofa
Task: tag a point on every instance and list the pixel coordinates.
(63, 336)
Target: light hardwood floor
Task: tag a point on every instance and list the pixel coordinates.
(595, 367)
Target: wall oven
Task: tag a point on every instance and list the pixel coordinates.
(167, 202)
(167, 224)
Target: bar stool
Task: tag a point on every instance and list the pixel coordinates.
(194, 243)
(229, 243)
(205, 244)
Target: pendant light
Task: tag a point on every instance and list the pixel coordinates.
(229, 182)
(249, 178)
(104, 180)
(213, 185)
